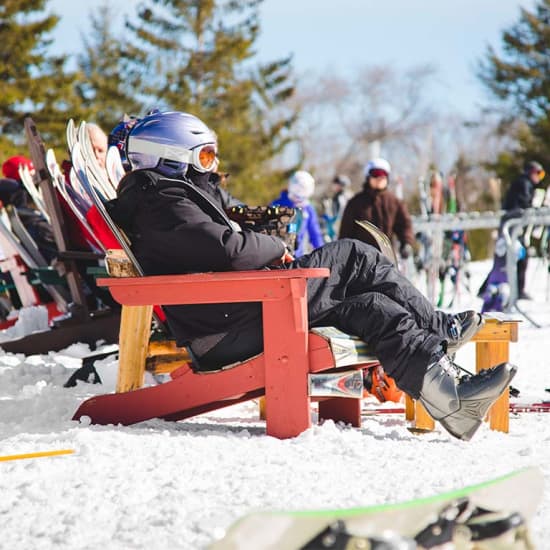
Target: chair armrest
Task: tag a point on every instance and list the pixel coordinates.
(208, 288)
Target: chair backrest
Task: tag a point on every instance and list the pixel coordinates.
(38, 156)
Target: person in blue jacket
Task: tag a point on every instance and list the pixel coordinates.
(300, 189)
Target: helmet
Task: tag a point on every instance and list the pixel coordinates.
(300, 187)
(534, 166)
(10, 168)
(170, 141)
(378, 164)
(342, 180)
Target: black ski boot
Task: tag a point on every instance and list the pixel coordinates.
(461, 404)
(462, 327)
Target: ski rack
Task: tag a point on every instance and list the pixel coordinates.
(462, 221)
(511, 230)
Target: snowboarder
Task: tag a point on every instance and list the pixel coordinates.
(177, 226)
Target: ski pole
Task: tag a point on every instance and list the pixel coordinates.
(36, 455)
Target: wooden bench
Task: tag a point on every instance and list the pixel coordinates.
(492, 347)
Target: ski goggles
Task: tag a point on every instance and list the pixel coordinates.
(204, 158)
(377, 173)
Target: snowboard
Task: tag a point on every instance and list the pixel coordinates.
(382, 240)
(493, 509)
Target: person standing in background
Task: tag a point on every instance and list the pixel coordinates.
(333, 206)
(377, 204)
(518, 197)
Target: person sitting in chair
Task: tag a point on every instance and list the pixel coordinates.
(176, 225)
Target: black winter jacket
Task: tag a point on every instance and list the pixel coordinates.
(520, 194)
(178, 227)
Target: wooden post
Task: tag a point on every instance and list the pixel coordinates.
(409, 408)
(135, 329)
(422, 420)
(490, 354)
(261, 408)
(492, 348)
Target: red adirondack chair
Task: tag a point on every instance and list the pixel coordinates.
(281, 372)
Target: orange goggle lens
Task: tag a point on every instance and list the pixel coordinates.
(207, 156)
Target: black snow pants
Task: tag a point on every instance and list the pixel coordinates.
(364, 296)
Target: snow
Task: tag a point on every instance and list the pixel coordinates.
(179, 485)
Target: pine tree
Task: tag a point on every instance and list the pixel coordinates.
(520, 80)
(201, 56)
(107, 85)
(31, 82)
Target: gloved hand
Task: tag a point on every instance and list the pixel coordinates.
(405, 251)
(286, 258)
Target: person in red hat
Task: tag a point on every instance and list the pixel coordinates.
(10, 168)
(12, 192)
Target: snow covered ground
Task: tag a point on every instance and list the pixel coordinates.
(162, 485)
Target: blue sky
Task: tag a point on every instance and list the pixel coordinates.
(343, 35)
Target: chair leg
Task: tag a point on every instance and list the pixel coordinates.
(135, 329)
(341, 409)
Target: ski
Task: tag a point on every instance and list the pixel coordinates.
(72, 199)
(71, 135)
(104, 186)
(514, 408)
(113, 166)
(33, 190)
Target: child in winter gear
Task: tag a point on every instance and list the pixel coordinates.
(301, 186)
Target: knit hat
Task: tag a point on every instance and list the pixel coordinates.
(10, 168)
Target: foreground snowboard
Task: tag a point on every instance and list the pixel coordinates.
(490, 515)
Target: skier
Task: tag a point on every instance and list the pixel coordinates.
(377, 204)
(518, 197)
(177, 226)
(301, 186)
(333, 206)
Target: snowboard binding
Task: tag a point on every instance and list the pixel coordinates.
(460, 525)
